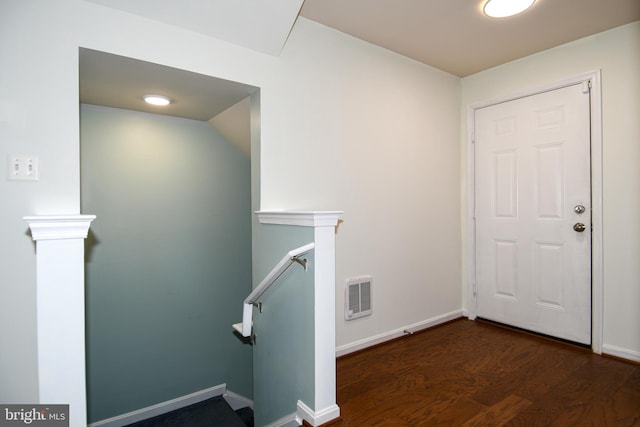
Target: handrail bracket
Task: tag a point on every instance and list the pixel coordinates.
(301, 261)
(257, 304)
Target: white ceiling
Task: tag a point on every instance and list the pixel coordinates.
(120, 82)
(454, 35)
(261, 25)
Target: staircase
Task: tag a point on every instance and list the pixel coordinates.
(213, 412)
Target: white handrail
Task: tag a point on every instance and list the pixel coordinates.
(247, 311)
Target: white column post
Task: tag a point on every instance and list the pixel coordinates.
(326, 408)
(60, 310)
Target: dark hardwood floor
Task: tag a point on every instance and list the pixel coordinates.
(469, 373)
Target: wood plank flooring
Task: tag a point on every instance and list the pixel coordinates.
(469, 373)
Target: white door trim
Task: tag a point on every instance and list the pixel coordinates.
(596, 195)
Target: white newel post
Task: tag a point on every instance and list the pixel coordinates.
(60, 310)
(326, 408)
(324, 223)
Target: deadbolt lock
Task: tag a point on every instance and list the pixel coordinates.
(579, 209)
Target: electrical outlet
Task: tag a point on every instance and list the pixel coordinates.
(22, 168)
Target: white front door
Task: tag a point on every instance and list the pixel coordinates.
(533, 190)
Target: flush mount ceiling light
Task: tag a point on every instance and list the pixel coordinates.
(157, 100)
(505, 8)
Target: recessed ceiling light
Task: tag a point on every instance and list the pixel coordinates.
(505, 8)
(157, 100)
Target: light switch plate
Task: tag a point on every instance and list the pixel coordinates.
(22, 167)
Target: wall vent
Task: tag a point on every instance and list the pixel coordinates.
(357, 301)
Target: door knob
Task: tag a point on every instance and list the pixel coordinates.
(579, 227)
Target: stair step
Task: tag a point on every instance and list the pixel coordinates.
(213, 412)
(246, 415)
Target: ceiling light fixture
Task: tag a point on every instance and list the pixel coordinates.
(157, 100)
(506, 8)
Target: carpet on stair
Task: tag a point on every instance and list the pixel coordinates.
(213, 412)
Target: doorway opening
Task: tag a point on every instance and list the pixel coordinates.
(592, 79)
(169, 256)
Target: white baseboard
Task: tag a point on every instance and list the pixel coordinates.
(316, 418)
(287, 421)
(306, 413)
(620, 352)
(396, 333)
(235, 401)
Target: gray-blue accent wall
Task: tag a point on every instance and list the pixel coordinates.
(284, 354)
(168, 259)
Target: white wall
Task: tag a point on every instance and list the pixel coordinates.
(374, 134)
(235, 126)
(616, 54)
(31, 68)
(344, 125)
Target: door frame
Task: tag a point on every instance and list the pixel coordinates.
(597, 279)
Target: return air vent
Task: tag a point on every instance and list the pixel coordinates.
(357, 297)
